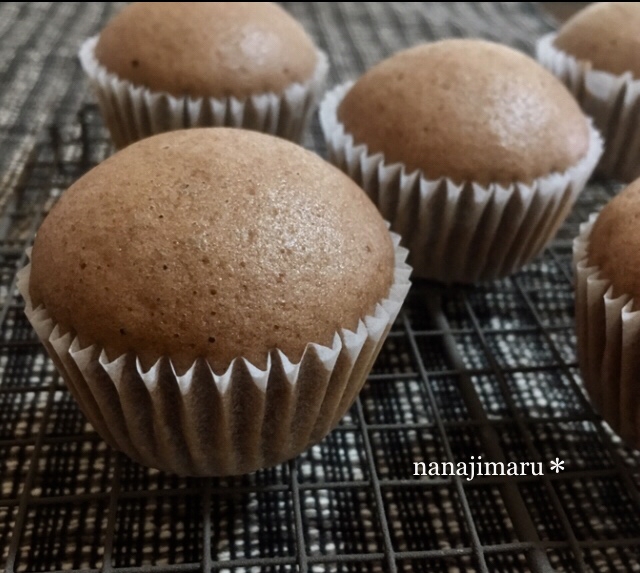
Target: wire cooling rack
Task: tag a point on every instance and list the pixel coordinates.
(485, 371)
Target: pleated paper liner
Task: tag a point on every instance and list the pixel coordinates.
(608, 332)
(613, 102)
(203, 423)
(459, 233)
(134, 112)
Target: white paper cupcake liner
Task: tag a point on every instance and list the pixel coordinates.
(202, 423)
(134, 112)
(613, 102)
(459, 233)
(608, 343)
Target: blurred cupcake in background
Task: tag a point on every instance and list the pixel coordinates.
(163, 66)
(606, 260)
(473, 152)
(596, 55)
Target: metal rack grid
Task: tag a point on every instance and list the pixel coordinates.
(489, 371)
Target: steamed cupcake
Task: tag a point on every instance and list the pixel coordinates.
(595, 54)
(471, 150)
(159, 66)
(607, 270)
(214, 298)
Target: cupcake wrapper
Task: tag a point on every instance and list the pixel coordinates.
(202, 423)
(458, 233)
(608, 343)
(612, 101)
(133, 112)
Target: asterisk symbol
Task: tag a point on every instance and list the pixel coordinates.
(557, 465)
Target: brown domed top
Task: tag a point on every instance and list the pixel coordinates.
(211, 242)
(211, 49)
(469, 110)
(606, 35)
(614, 244)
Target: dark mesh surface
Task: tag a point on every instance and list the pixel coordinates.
(487, 371)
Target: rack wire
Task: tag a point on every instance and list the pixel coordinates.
(481, 371)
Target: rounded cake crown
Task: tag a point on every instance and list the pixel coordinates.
(469, 110)
(214, 243)
(605, 34)
(207, 49)
(614, 243)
